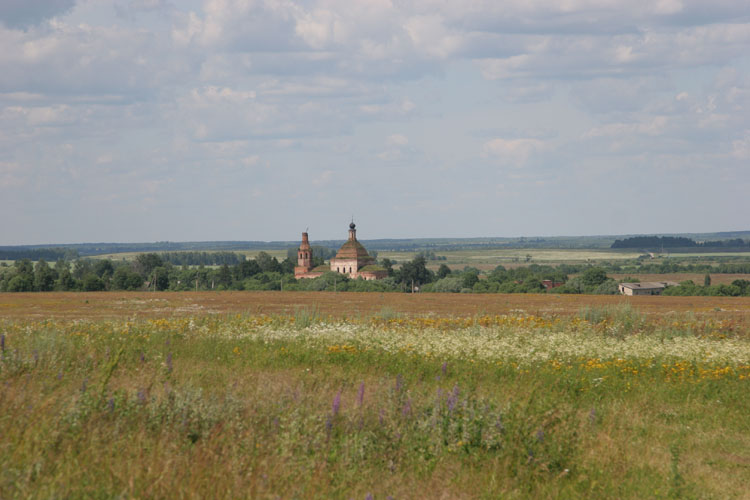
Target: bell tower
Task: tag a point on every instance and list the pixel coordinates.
(304, 256)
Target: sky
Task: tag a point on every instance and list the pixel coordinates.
(166, 120)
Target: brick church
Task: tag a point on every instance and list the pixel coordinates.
(352, 260)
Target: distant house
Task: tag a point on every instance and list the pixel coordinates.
(645, 288)
(549, 284)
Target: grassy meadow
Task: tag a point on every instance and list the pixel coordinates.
(600, 399)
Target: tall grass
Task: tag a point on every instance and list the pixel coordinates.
(622, 319)
(219, 407)
(304, 317)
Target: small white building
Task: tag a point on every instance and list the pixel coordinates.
(645, 288)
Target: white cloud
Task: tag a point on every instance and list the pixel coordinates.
(253, 92)
(741, 147)
(397, 140)
(514, 152)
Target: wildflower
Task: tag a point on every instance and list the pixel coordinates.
(111, 404)
(399, 382)
(453, 398)
(369, 497)
(141, 396)
(84, 384)
(169, 362)
(539, 435)
(329, 425)
(143, 357)
(592, 416)
(2, 343)
(406, 411)
(444, 368)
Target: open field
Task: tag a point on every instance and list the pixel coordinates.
(324, 395)
(486, 260)
(114, 305)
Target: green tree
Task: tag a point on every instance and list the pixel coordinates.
(287, 266)
(224, 276)
(415, 272)
(65, 280)
(470, 278)
(44, 276)
(388, 265)
(92, 283)
(126, 279)
(145, 263)
(81, 267)
(160, 278)
(443, 271)
(20, 283)
(104, 269)
(246, 269)
(267, 263)
(594, 276)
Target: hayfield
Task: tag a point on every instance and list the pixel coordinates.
(295, 395)
(97, 305)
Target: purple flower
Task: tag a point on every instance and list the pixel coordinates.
(141, 396)
(540, 435)
(399, 382)
(84, 384)
(111, 404)
(36, 356)
(453, 398)
(380, 417)
(592, 416)
(369, 497)
(329, 425)
(361, 394)
(143, 357)
(2, 342)
(444, 368)
(59, 375)
(336, 404)
(406, 410)
(169, 362)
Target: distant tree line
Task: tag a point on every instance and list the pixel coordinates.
(738, 288)
(202, 258)
(152, 271)
(49, 254)
(430, 255)
(659, 242)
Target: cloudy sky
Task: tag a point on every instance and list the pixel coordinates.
(152, 120)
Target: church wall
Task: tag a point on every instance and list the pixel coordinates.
(343, 266)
